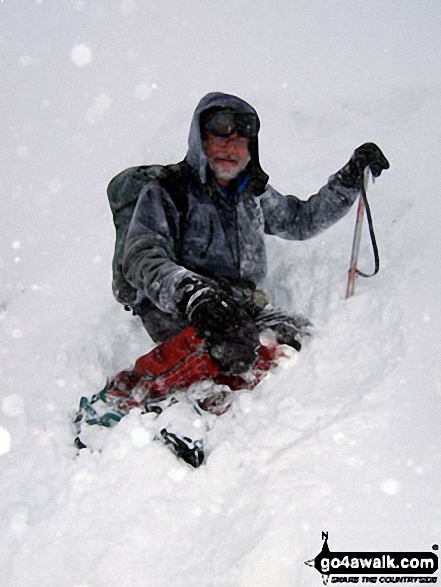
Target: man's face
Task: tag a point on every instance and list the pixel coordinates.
(227, 156)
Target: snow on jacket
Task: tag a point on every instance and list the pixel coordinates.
(220, 236)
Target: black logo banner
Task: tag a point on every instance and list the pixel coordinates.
(374, 563)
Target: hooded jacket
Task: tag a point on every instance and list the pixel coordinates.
(217, 236)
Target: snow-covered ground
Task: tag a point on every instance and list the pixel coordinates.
(346, 437)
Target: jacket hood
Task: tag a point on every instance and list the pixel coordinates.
(196, 157)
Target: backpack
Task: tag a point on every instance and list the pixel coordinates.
(123, 192)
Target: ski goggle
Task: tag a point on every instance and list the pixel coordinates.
(223, 122)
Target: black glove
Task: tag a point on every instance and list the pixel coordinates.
(230, 334)
(368, 155)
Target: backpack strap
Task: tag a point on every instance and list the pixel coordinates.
(176, 179)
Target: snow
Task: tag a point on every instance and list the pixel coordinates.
(345, 438)
(13, 405)
(391, 486)
(5, 441)
(81, 55)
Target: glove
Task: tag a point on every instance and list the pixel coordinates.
(229, 332)
(368, 155)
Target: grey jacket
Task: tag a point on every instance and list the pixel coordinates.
(219, 237)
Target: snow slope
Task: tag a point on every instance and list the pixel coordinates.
(346, 437)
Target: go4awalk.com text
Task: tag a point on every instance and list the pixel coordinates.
(375, 567)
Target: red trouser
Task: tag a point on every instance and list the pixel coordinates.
(176, 364)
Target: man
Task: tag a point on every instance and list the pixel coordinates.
(195, 249)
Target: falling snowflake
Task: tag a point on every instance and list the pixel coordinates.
(101, 104)
(13, 405)
(5, 441)
(144, 91)
(81, 55)
(391, 486)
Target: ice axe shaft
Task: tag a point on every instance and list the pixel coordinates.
(355, 248)
(363, 207)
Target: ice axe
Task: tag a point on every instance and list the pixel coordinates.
(363, 207)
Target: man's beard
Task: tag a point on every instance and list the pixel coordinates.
(233, 171)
